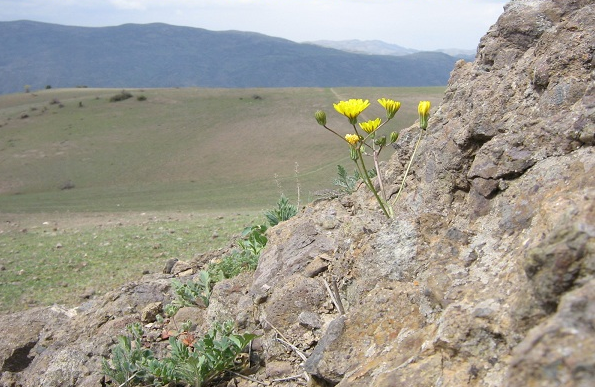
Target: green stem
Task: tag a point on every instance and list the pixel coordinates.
(377, 166)
(409, 166)
(370, 185)
(333, 132)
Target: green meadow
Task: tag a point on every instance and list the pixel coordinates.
(93, 193)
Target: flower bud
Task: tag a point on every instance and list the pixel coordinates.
(353, 154)
(424, 112)
(393, 137)
(380, 141)
(320, 117)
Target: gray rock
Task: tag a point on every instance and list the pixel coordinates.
(150, 312)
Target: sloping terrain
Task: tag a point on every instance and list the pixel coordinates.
(192, 148)
(484, 277)
(161, 55)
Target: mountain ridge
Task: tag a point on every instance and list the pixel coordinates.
(162, 55)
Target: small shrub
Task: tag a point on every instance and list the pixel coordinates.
(121, 96)
(127, 363)
(253, 239)
(283, 212)
(246, 259)
(67, 185)
(197, 363)
(188, 293)
(233, 264)
(141, 98)
(171, 309)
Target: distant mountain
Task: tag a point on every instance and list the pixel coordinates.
(368, 47)
(378, 47)
(161, 55)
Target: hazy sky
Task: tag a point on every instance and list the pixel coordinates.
(418, 24)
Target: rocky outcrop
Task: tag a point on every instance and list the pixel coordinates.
(485, 277)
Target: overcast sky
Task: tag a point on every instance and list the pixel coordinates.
(418, 24)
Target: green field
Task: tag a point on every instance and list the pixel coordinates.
(197, 161)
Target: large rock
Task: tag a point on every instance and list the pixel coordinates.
(485, 276)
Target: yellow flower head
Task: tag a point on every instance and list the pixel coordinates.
(423, 107)
(371, 125)
(424, 112)
(352, 139)
(352, 108)
(391, 107)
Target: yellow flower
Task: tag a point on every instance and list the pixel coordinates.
(424, 107)
(352, 139)
(352, 108)
(424, 112)
(391, 107)
(371, 125)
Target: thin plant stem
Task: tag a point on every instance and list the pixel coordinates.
(409, 166)
(333, 132)
(370, 185)
(377, 166)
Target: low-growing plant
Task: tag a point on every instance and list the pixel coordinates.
(171, 309)
(253, 239)
(193, 363)
(121, 96)
(369, 143)
(127, 363)
(252, 242)
(210, 357)
(348, 183)
(186, 326)
(233, 264)
(141, 98)
(284, 211)
(189, 292)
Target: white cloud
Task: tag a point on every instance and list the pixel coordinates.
(129, 4)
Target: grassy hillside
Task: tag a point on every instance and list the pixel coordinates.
(161, 55)
(191, 149)
(175, 175)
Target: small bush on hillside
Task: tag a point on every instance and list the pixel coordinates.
(246, 259)
(283, 212)
(234, 264)
(195, 363)
(188, 293)
(121, 96)
(141, 98)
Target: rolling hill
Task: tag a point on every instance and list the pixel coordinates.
(161, 55)
(193, 148)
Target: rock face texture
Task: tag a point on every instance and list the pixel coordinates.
(485, 277)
